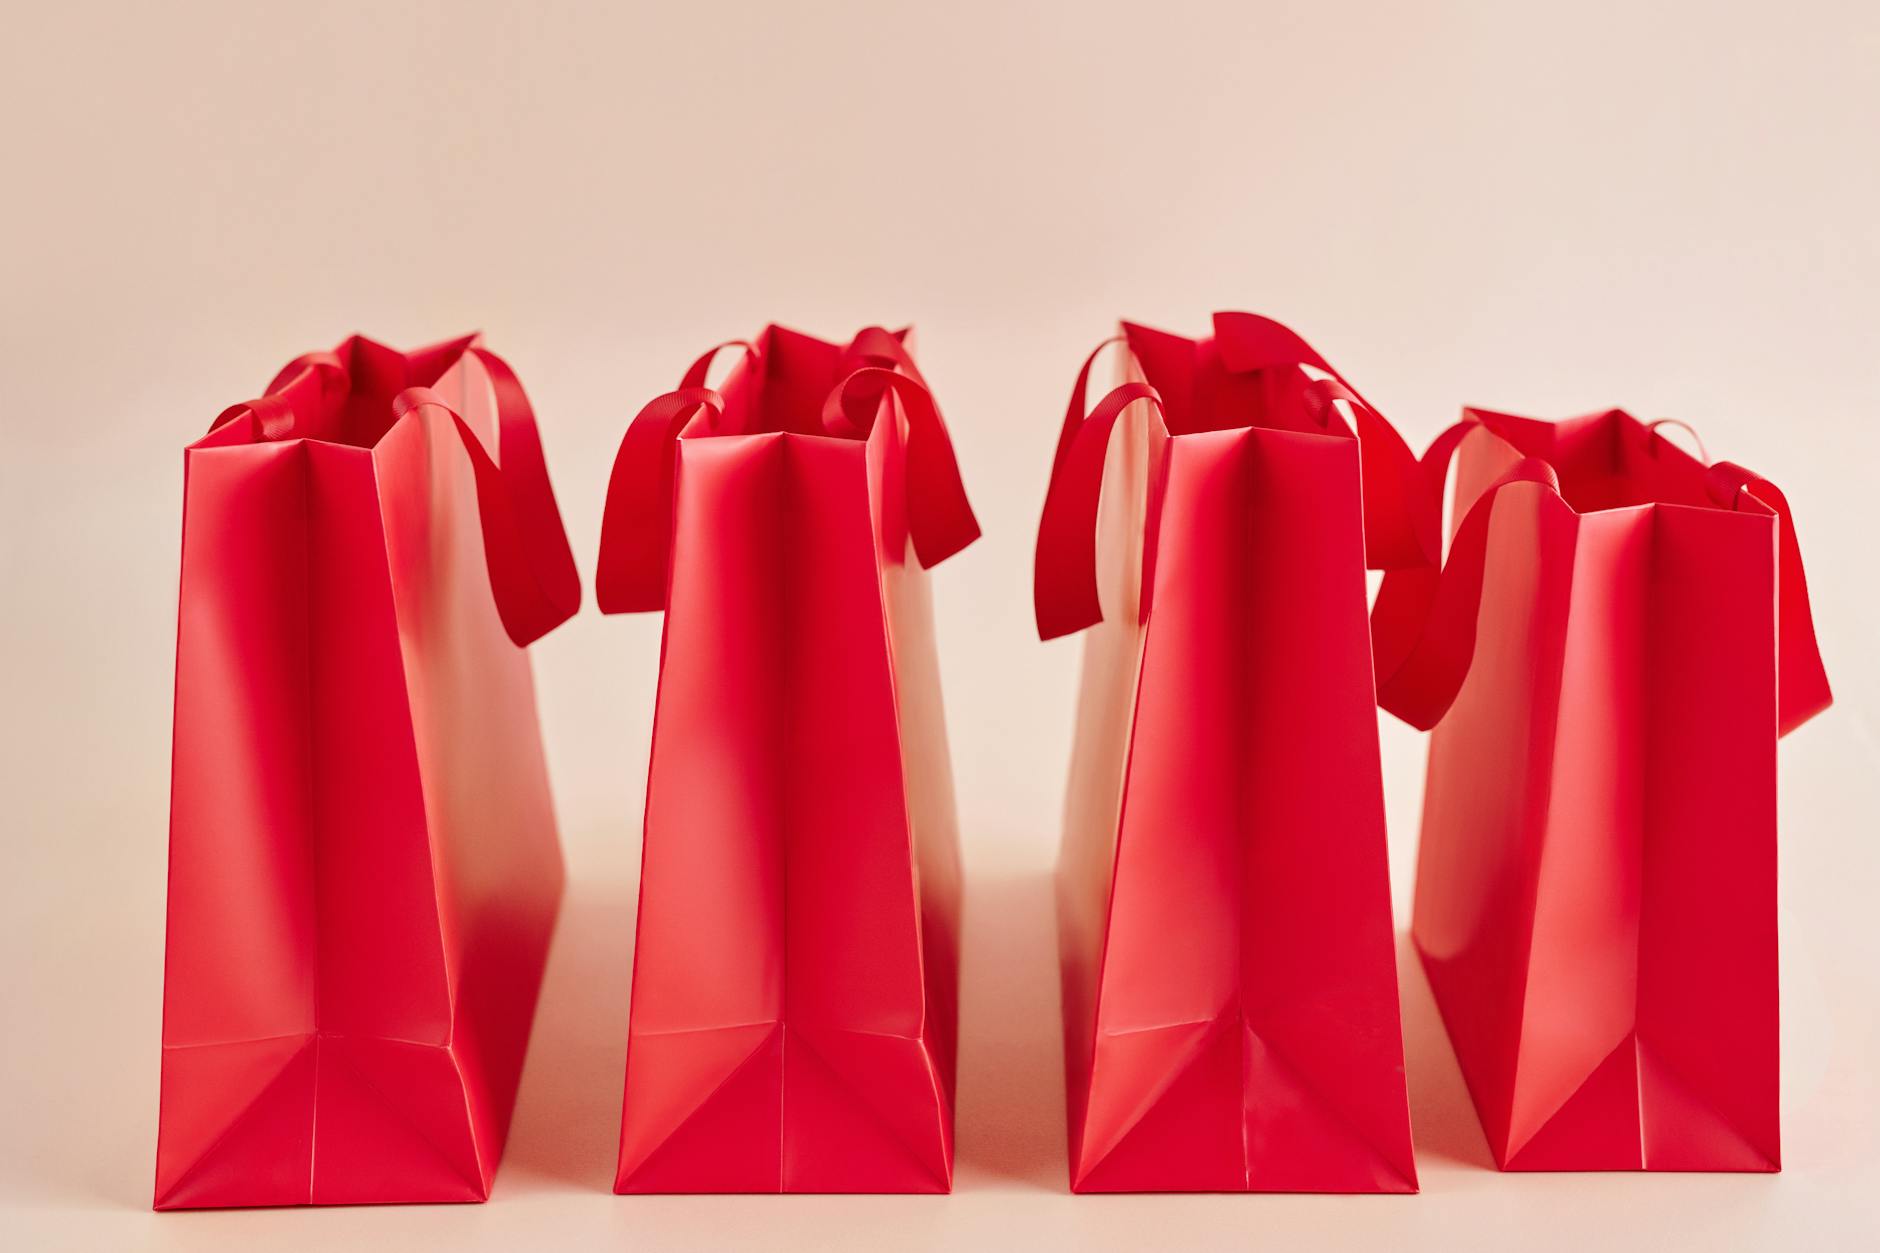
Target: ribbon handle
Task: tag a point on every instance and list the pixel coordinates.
(1064, 572)
(696, 373)
(1398, 533)
(518, 491)
(1423, 623)
(1801, 679)
(277, 411)
(636, 524)
(532, 570)
(876, 345)
(939, 517)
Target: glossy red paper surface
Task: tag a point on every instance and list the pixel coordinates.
(1230, 992)
(364, 871)
(794, 988)
(1596, 889)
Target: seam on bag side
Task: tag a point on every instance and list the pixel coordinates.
(1647, 707)
(646, 808)
(1243, 795)
(1145, 626)
(310, 812)
(877, 522)
(787, 537)
(876, 506)
(169, 878)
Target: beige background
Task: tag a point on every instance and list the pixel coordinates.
(1543, 208)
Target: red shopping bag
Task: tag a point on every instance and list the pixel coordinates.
(1230, 988)
(793, 1006)
(1617, 639)
(363, 863)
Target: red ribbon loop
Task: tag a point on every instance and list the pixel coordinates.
(1064, 573)
(1801, 679)
(1424, 621)
(520, 489)
(531, 567)
(875, 345)
(532, 571)
(1686, 427)
(636, 525)
(699, 370)
(274, 417)
(1074, 411)
(939, 517)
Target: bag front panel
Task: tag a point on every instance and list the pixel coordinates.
(780, 1000)
(1247, 1035)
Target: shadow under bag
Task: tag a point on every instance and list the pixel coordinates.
(1617, 639)
(364, 871)
(794, 985)
(1229, 969)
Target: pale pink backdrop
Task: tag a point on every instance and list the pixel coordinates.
(1542, 208)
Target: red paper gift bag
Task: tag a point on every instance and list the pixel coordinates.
(1229, 978)
(363, 862)
(1617, 639)
(793, 1006)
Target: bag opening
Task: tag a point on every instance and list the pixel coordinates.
(1199, 393)
(785, 393)
(1607, 460)
(345, 396)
